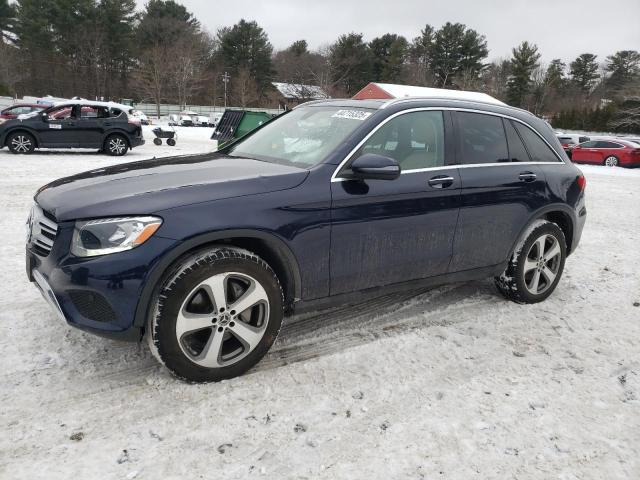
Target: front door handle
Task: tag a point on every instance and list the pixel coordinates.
(527, 176)
(441, 181)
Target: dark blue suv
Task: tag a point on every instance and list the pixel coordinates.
(336, 201)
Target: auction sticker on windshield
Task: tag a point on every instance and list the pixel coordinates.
(352, 114)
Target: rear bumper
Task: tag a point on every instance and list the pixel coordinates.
(136, 141)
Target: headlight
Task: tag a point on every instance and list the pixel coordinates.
(111, 235)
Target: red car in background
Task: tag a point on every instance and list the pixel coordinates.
(612, 153)
(13, 111)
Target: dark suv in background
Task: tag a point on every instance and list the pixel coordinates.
(336, 201)
(108, 127)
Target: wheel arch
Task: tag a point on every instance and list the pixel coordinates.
(560, 214)
(269, 247)
(20, 128)
(117, 132)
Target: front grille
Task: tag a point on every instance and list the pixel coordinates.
(42, 231)
(92, 305)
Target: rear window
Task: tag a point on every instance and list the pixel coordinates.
(567, 140)
(538, 149)
(481, 139)
(603, 144)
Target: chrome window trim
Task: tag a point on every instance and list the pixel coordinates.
(336, 178)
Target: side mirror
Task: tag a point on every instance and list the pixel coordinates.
(371, 166)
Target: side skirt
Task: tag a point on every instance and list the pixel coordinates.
(303, 306)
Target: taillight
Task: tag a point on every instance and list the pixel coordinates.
(582, 182)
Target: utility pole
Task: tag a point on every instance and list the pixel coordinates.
(225, 80)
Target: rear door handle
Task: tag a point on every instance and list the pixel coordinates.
(527, 176)
(441, 181)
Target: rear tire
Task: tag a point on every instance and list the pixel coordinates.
(536, 265)
(21, 143)
(611, 161)
(157, 141)
(116, 145)
(216, 315)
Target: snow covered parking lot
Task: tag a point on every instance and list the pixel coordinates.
(452, 383)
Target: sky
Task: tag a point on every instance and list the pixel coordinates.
(561, 28)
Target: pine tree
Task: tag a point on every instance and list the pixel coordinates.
(350, 61)
(245, 47)
(7, 20)
(584, 72)
(624, 67)
(523, 63)
(555, 73)
(455, 51)
(389, 54)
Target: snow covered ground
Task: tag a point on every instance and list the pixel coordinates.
(451, 383)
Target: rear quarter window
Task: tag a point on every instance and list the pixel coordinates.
(538, 149)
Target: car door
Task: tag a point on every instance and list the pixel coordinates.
(500, 187)
(90, 126)
(58, 129)
(391, 231)
(586, 152)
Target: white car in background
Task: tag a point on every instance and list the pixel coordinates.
(201, 121)
(140, 115)
(144, 119)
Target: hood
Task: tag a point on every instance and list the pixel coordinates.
(151, 186)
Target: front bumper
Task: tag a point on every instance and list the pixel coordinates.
(97, 294)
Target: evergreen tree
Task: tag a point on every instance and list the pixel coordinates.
(389, 53)
(584, 72)
(419, 55)
(245, 48)
(555, 73)
(7, 20)
(299, 47)
(351, 63)
(624, 67)
(118, 49)
(524, 61)
(455, 51)
(164, 22)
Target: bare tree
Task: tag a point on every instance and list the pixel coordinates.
(11, 71)
(245, 88)
(154, 75)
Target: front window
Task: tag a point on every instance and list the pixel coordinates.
(303, 137)
(415, 140)
(60, 113)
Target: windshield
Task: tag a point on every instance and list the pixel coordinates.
(303, 137)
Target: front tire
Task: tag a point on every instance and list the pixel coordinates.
(216, 315)
(21, 143)
(536, 266)
(116, 145)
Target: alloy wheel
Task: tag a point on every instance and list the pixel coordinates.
(542, 264)
(222, 320)
(117, 145)
(21, 144)
(611, 161)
